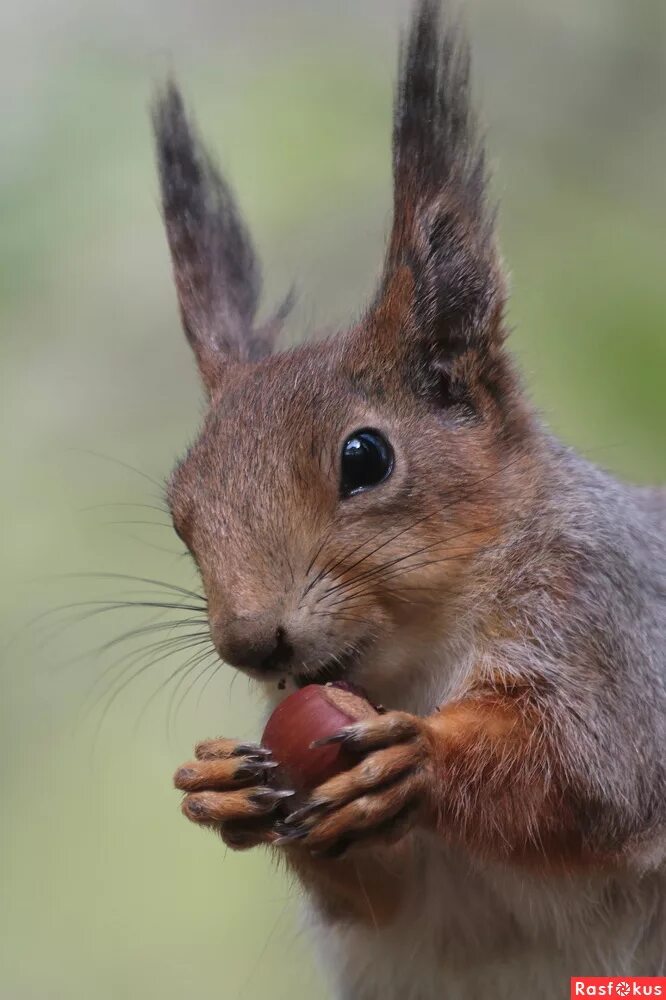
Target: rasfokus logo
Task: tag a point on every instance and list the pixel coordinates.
(622, 986)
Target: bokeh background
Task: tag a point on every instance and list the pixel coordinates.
(106, 891)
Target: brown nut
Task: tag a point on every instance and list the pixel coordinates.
(313, 713)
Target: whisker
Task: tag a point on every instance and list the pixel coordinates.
(387, 565)
(150, 524)
(124, 465)
(291, 569)
(97, 608)
(195, 658)
(124, 503)
(169, 647)
(339, 616)
(57, 627)
(422, 565)
(174, 706)
(327, 535)
(330, 568)
(130, 680)
(382, 576)
(210, 665)
(177, 554)
(118, 605)
(216, 665)
(407, 569)
(161, 584)
(152, 625)
(464, 494)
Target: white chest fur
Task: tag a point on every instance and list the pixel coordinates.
(467, 931)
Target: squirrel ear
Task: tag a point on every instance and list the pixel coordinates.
(442, 288)
(215, 268)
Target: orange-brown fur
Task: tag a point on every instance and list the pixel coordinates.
(367, 889)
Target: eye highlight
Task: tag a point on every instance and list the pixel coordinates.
(366, 461)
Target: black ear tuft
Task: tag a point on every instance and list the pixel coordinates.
(215, 267)
(436, 142)
(443, 227)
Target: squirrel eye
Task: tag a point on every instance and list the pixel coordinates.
(367, 460)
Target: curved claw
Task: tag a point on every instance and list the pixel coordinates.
(377, 799)
(226, 789)
(251, 750)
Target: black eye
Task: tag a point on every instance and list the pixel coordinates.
(367, 460)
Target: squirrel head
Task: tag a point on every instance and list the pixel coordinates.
(341, 493)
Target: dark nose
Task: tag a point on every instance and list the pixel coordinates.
(255, 643)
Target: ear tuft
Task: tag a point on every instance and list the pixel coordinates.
(443, 227)
(436, 142)
(215, 267)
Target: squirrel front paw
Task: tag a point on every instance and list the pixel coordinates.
(226, 790)
(378, 800)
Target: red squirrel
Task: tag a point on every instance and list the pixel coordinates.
(384, 506)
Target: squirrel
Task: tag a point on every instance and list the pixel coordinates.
(385, 506)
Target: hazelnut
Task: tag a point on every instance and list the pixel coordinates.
(313, 713)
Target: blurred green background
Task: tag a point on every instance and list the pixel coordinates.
(106, 891)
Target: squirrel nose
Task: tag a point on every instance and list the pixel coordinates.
(254, 643)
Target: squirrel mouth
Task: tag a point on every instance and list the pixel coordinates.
(336, 668)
